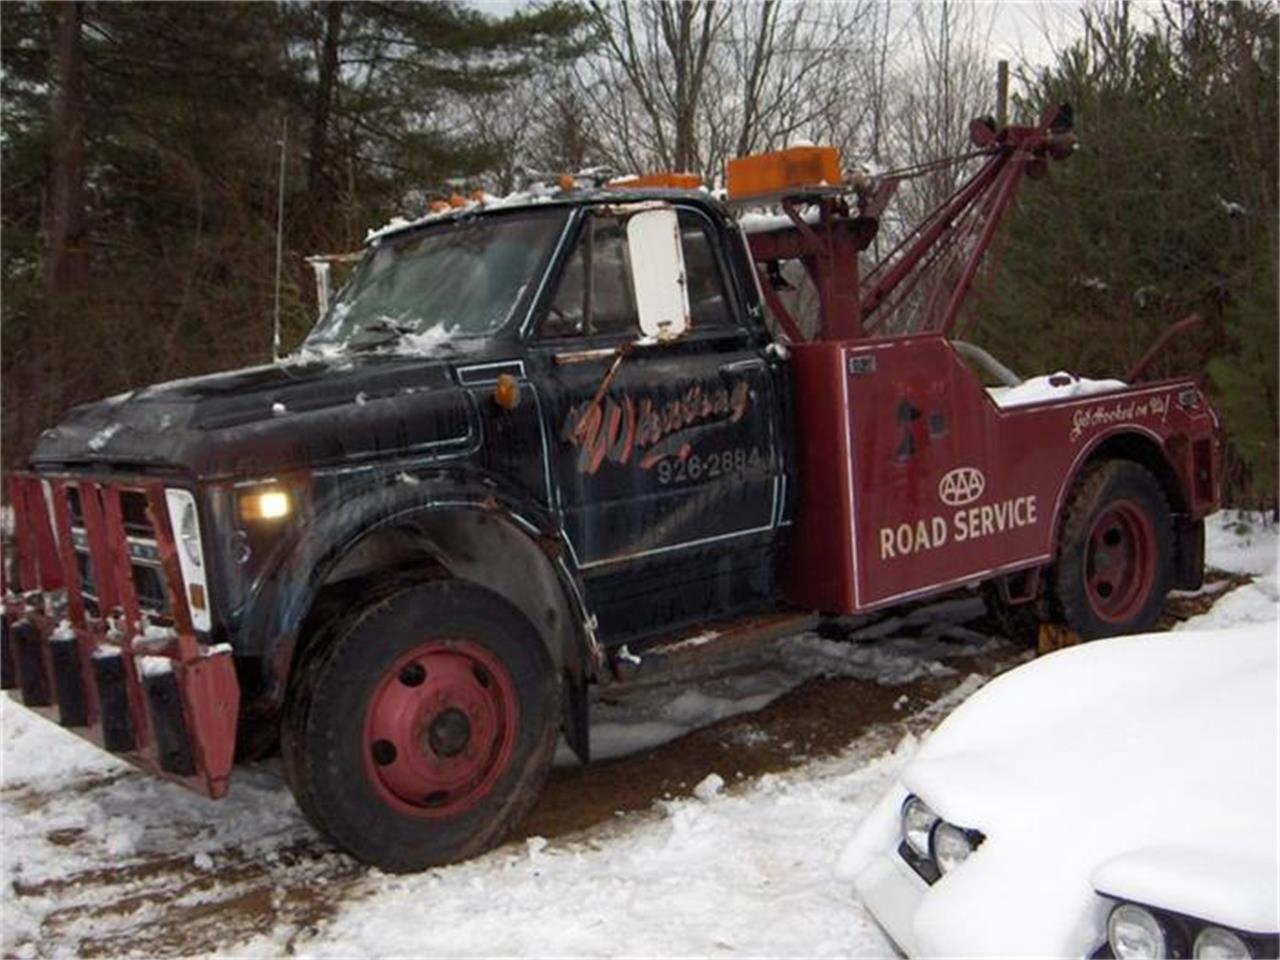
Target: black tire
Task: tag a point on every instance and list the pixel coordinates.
(335, 696)
(1117, 513)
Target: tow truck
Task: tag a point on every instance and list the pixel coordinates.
(544, 443)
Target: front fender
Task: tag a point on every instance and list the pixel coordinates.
(472, 524)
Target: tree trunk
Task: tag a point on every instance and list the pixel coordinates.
(66, 263)
(319, 179)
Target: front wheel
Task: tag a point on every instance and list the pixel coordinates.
(424, 729)
(1114, 563)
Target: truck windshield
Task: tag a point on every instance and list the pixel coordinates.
(460, 279)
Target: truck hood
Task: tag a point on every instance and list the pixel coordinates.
(304, 413)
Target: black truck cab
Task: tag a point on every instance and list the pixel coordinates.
(447, 419)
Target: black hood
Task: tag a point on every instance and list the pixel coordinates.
(295, 415)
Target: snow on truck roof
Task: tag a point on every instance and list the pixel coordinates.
(542, 195)
(759, 179)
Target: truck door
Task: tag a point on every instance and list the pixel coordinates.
(680, 452)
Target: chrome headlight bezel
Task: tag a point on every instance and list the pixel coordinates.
(916, 826)
(1138, 918)
(958, 841)
(1184, 935)
(188, 534)
(184, 524)
(1224, 935)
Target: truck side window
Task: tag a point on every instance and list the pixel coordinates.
(612, 308)
(709, 303)
(564, 316)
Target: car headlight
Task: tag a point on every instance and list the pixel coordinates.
(1216, 943)
(1134, 933)
(189, 533)
(949, 845)
(917, 822)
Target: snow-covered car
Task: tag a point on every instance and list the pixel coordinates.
(1113, 799)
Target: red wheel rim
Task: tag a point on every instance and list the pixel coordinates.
(1120, 563)
(440, 728)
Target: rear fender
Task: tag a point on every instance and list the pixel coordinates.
(1164, 459)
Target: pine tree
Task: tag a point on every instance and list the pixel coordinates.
(1167, 207)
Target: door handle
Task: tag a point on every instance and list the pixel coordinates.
(582, 356)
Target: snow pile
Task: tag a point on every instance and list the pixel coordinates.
(1053, 386)
(1239, 541)
(759, 222)
(100, 439)
(710, 786)
(33, 749)
(623, 723)
(427, 342)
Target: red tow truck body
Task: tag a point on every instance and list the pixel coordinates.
(914, 479)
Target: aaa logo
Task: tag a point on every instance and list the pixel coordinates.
(961, 485)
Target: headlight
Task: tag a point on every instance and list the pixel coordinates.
(1215, 943)
(185, 522)
(269, 504)
(1134, 933)
(189, 533)
(951, 846)
(917, 821)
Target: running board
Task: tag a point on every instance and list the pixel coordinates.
(715, 645)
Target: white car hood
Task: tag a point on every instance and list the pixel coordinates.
(1142, 766)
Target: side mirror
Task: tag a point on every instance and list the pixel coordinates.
(658, 274)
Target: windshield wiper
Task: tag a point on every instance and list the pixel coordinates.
(387, 325)
(380, 331)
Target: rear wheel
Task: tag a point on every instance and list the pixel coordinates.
(1114, 564)
(424, 730)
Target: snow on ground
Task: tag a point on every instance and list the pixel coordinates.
(1242, 542)
(747, 869)
(740, 873)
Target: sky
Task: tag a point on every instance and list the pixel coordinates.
(1030, 29)
(1020, 29)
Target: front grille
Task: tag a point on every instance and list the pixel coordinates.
(140, 542)
(133, 509)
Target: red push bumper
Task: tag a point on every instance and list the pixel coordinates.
(150, 693)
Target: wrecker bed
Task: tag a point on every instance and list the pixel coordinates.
(915, 479)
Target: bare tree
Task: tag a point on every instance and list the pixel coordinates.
(944, 83)
(687, 86)
(789, 71)
(562, 139)
(647, 88)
